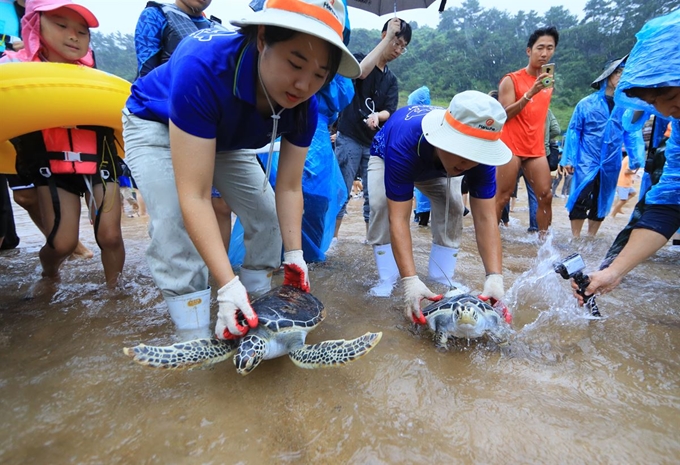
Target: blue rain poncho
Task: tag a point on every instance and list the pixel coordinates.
(655, 62)
(10, 26)
(593, 146)
(420, 96)
(323, 187)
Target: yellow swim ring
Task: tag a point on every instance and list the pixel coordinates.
(39, 96)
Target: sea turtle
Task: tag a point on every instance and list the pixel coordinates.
(464, 316)
(286, 314)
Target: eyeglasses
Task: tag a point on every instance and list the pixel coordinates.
(398, 46)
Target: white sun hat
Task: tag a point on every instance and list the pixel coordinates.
(324, 19)
(470, 128)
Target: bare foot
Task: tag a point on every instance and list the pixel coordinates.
(81, 252)
(44, 288)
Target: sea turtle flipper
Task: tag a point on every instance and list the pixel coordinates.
(183, 355)
(333, 353)
(498, 336)
(441, 338)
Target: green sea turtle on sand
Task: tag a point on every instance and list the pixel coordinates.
(464, 316)
(286, 314)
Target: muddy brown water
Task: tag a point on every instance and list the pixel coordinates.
(572, 389)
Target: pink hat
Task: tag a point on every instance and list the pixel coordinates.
(51, 5)
(30, 29)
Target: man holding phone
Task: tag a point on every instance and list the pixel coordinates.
(525, 94)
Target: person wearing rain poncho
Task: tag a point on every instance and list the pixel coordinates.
(650, 82)
(10, 25)
(593, 151)
(420, 96)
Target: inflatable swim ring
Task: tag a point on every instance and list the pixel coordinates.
(39, 96)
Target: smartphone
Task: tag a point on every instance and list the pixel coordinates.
(550, 69)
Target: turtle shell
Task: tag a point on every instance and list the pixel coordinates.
(451, 302)
(288, 308)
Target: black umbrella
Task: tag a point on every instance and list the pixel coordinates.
(383, 7)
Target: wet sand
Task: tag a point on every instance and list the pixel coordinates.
(573, 389)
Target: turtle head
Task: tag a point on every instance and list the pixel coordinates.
(466, 315)
(251, 351)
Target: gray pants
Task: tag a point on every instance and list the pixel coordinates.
(353, 160)
(434, 189)
(176, 266)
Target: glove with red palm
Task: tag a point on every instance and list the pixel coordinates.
(414, 293)
(295, 271)
(493, 293)
(234, 306)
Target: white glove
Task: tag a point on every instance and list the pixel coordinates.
(295, 271)
(414, 292)
(493, 287)
(234, 303)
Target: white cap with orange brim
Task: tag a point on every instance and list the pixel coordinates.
(470, 127)
(324, 19)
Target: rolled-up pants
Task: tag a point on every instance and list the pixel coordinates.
(176, 266)
(434, 189)
(353, 161)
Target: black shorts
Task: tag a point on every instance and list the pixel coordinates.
(587, 203)
(464, 189)
(664, 219)
(33, 164)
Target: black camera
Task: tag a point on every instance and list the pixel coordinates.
(572, 268)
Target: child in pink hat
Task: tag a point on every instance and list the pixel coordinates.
(67, 163)
(39, 38)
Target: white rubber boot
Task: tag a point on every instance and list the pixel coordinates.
(256, 282)
(191, 314)
(442, 264)
(387, 270)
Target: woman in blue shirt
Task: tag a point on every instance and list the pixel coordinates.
(196, 121)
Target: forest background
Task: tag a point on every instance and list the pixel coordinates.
(473, 48)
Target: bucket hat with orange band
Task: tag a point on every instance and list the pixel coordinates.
(470, 127)
(324, 19)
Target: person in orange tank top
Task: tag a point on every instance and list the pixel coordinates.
(526, 99)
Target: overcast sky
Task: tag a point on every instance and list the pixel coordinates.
(121, 15)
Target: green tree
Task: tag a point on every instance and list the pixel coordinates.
(115, 54)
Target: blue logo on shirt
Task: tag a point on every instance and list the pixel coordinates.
(206, 35)
(418, 111)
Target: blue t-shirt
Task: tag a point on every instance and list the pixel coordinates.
(207, 89)
(409, 158)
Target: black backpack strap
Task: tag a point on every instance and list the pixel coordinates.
(56, 205)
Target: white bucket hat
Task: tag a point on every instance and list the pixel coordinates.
(324, 19)
(470, 128)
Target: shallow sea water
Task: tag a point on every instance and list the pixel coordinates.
(570, 390)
